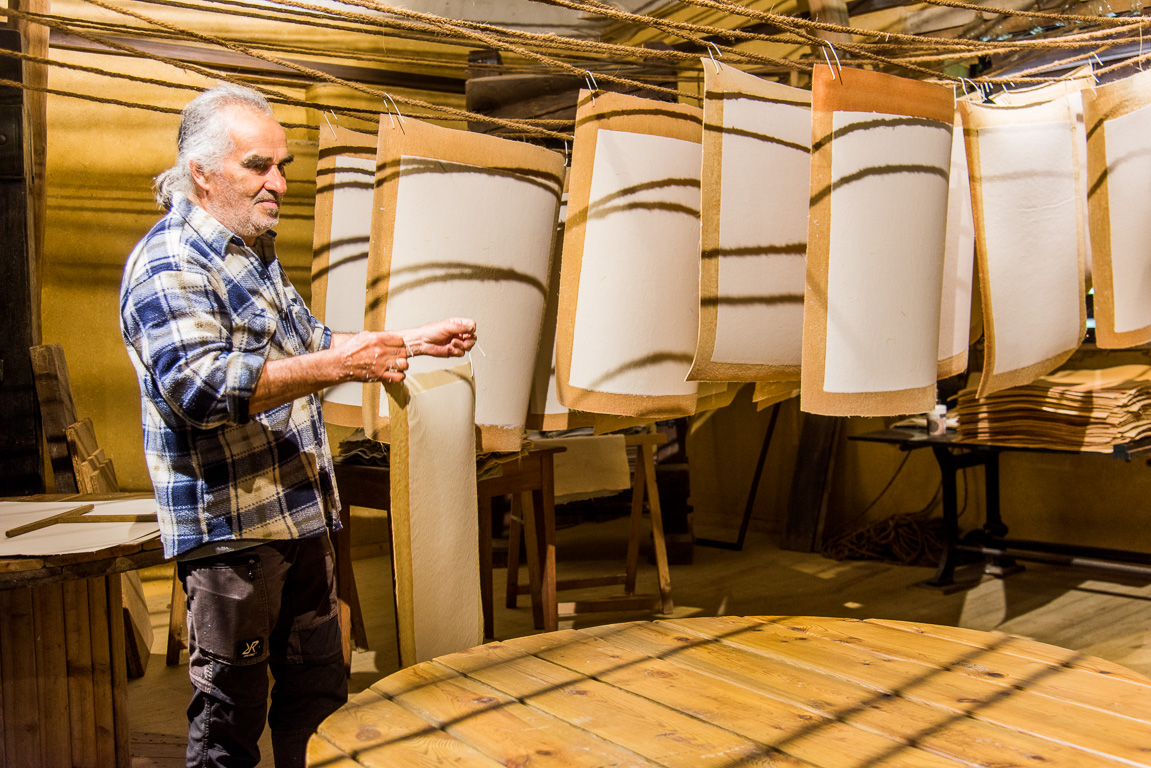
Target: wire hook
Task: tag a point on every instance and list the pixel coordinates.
(837, 64)
(589, 78)
(333, 130)
(828, 60)
(399, 114)
(710, 45)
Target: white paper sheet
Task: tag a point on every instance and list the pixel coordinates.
(348, 259)
(1028, 185)
(1070, 91)
(67, 538)
(885, 267)
(764, 191)
(443, 520)
(1128, 142)
(473, 243)
(958, 258)
(636, 319)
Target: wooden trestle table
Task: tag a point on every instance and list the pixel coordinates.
(753, 691)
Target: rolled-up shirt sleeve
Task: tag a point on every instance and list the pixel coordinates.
(202, 360)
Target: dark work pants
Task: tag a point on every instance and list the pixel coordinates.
(272, 606)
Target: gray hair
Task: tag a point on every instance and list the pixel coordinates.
(204, 138)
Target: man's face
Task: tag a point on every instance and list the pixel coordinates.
(245, 193)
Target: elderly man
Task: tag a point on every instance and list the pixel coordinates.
(230, 362)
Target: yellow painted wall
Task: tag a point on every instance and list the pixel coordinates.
(101, 160)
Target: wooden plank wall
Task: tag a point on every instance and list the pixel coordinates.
(63, 676)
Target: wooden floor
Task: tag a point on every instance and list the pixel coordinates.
(1099, 613)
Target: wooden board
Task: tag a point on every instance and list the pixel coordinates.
(20, 283)
(20, 689)
(138, 633)
(57, 411)
(52, 676)
(81, 696)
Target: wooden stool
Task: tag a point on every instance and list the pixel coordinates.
(532, 476)
(538, 528)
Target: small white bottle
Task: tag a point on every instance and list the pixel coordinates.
(937, 421)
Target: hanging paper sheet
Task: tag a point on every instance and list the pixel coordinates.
(756, 178)
(958, 264)
(434, 514)
(768, 393)
(1023, 194)
(714, 395)
(629, 290)
(345, 177)
(1119, 170)
(881, 149)
(545, 411)
(463, 226)
(1072, 90)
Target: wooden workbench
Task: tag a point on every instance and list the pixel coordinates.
(763, 691)
(63, 672)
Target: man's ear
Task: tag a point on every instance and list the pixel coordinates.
(199, 175)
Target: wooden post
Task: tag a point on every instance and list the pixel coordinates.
(807, 507)
(830, 12)
(21, 464)
(35, 38)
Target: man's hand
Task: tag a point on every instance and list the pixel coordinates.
(446, 338)
(364, 356)
(371, 356)
(383, 356)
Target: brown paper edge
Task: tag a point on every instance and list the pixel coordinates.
(400, 517)
(334, 143)
(856, 91)
(705, 367)
(974, 118)
(416, 138)
(623, 113)
(1099, 105)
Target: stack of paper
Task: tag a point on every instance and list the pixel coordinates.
(1078, 410)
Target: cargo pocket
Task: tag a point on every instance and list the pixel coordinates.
(228, 611)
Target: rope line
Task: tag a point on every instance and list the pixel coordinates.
(569, 56)
(318, 75)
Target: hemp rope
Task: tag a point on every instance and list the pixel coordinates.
(459, 32)
(317, 74)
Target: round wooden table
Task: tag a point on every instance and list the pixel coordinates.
(763, 691)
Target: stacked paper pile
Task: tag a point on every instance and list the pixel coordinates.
(1078, 410)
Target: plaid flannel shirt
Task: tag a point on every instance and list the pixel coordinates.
(201, 313)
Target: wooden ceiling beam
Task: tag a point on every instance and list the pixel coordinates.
(242, 64)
